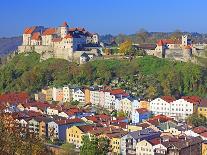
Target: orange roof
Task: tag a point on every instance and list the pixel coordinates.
(69, 121)
(160, 43)
(168, 98)
(36, 36)
(117, 91)
(192, 99)
(68, 36)
(187, 47)
(142, 110)
(49, 31)
(167, 41)
(65, 24)
(29, 30)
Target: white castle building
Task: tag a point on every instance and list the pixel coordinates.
(61, 42)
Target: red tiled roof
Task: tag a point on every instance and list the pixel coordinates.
(92, 118)
(192, 99)
(204, 134)
(117, 91)
(155, 141)
(86, 128)
(36, 36)
(200, 129)
(29, 30)
(156, 120)
(160, 43)
(168, 98)
(103, 117)
(49, 31)
(68, 36)
(142, 110)
(20, 97)
(69, 121)
(57, 39)
(65, 24)
(167, 41)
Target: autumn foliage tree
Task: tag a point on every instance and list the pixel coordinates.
(15, 140)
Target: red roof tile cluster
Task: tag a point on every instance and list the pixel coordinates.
(21, 97)
(192, 99)
(68, 36)
(167, 41)
(68, 121)
(155, 141)
(117, 91)
(200, 129)
(49, 31)
(168, 98)
(36, 36)
(156, 120)
(142, 110)
(29, 30)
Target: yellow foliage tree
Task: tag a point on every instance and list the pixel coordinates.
(125, 47)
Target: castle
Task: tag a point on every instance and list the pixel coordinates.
(176, 49)
(72, 44)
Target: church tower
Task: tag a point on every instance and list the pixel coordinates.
(64, 29)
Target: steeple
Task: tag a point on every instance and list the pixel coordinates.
(64, 24)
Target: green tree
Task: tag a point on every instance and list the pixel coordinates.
(68, 149)
(197, 120)
(94, 146)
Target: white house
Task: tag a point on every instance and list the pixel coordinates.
(53, 130)
(79, 95)
(160, 106)
(180, 109)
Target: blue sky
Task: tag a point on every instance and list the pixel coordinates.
(104, 16)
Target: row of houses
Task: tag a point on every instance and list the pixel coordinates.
(153, 135)
(135, 108)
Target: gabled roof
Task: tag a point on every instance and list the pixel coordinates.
(168, 98)
(68, 36)
(142, 110)
(30, 30)
(36, 36)
(86, 128)
(117, 91)
(49, 31)
(68, 121)
(192, 99)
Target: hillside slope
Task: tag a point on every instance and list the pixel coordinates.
(145, 77)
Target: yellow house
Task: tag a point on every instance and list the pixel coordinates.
(202, 108)
(42, 129)
(131, 128)
(48, 93)
(115, 140)
(144, 147)
(74, 134)
(144, 104)
(87, 95)
(204, 148)
(126, 105)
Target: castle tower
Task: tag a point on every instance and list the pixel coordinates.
(160, 49)
(186, 40)
(63, 29)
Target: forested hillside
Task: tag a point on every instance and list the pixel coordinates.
(147, 76)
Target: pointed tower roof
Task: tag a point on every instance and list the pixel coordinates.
(65, 24)
(160, 43)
